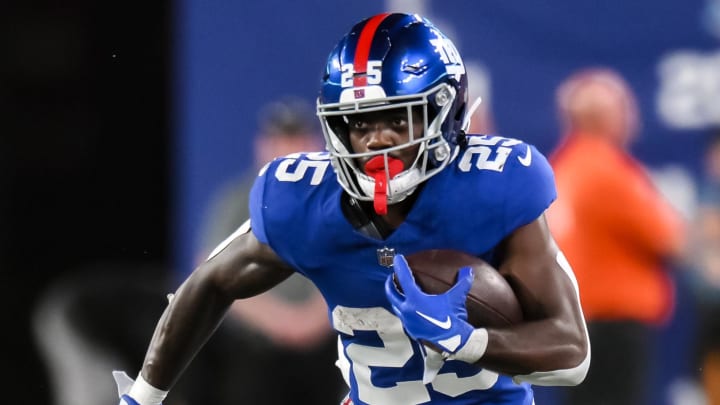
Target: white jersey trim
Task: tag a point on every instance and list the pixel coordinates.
(243, 229)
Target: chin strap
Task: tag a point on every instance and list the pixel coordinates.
(468, 116)
(376, 169)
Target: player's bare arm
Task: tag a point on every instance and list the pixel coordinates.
(552, 336)
(245, 267)
(548, 347)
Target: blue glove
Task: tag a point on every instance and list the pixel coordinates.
(127, 400)
(438, 319)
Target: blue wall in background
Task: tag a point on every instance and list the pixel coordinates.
(232, 57)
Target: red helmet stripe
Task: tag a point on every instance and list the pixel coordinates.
(362, 51)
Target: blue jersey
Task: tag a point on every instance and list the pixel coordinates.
(493, 186)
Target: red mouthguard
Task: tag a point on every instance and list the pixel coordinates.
(375, 168)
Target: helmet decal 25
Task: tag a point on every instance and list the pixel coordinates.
(392, 61)
(362, 67)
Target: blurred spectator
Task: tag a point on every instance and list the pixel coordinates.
(706, 256)
(617, 231)
(288, 347)
(285, 126)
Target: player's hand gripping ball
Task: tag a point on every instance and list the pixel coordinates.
(442, 295)
(491, 301)
(437, 319)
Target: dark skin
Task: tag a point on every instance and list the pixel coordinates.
(551, 337)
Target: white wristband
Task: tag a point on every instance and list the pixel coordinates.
(475, 347)
(146, 394)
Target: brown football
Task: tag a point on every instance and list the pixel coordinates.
(490, 302)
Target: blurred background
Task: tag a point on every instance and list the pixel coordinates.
(121, 120)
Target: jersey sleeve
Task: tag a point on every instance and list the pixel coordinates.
(531, 186)
(286, 203)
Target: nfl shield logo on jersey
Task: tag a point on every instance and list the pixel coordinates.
(385, 256)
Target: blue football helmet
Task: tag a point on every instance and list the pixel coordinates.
(392, 61)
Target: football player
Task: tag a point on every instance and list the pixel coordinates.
(400, 175)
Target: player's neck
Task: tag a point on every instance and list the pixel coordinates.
(396, 213)
(362, 216)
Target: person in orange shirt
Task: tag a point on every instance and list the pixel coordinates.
(617, 231)
(706, 271)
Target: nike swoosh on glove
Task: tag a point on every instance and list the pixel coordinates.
(438, 319)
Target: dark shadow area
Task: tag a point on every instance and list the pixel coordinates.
(84, 152)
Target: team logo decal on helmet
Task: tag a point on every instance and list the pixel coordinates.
(392, 61)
